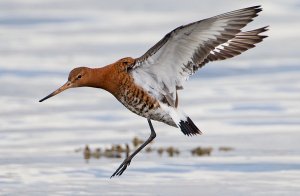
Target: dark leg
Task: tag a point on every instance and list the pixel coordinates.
(127, 161)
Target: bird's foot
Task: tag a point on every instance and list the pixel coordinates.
(122, 167)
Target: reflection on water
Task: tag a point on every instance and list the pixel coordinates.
(249, 104)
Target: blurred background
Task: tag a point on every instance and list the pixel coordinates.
(249, 104)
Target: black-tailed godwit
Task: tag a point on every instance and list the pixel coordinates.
(148, 85)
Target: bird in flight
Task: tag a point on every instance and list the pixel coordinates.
(148, 85)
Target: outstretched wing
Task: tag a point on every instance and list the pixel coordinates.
(240, 43)
(164, 67)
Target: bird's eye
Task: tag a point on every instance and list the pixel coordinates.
(79, 76)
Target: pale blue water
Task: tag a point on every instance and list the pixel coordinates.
(250, 103)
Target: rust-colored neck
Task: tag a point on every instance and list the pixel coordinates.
(104, 78)
(111, 77)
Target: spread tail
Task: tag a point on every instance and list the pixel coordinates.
(188, 127)
(181, 120)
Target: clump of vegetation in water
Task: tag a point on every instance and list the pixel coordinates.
(201, 151)
(118, 150)
(225, 148)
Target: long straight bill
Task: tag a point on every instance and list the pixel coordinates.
(61, 89)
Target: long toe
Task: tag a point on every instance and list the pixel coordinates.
(122, 167)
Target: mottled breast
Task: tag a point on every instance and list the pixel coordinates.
(136, 99)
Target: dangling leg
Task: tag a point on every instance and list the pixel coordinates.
(127, 161)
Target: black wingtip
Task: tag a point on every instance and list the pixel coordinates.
(189, 128)
(258, 8)
(262, 30)
(265, 28)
